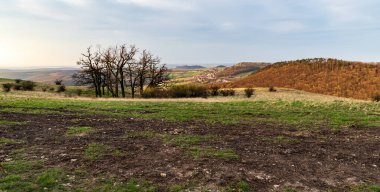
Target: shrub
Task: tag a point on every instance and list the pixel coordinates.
(17, 87)
(188, 90)
(228, 92)
(154, 92)
(18, 80)
(214, 90)
(44, 88)
(79, 92)
(61, 89)
(28, 85)
(249, 92)
(272, 89)
(376, 98)
(51, 89)
(58, 82)
(7, 87)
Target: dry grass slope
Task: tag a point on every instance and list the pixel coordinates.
(325, 76)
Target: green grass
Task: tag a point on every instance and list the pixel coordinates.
(365, 188)
(15, 183)
(205, 152)
(78, 130)
(185, 141)
(305, 115)
(96, 150)
(20, 166)
(7, 122)
(4, 140)
(51, 180)
(280, 140)
(140, 134)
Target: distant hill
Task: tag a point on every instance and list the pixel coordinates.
(326, 76)
(241, 68)
(190, 67)
(40, 75)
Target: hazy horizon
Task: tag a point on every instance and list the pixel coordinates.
(53, 33)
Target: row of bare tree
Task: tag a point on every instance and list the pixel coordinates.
(112, 70)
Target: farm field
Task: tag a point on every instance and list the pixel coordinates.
(284, 141)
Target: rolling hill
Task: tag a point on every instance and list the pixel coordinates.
(241, 68)
(47, 76)
(325, 76)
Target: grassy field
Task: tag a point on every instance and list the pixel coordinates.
(272, 142)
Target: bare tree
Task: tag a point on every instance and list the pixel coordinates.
(110, 73)
(124, 57)
(117, 68)
(91, 72)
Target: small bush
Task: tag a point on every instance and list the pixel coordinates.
(44, 88)
(17, 87)
(155, 92)
(188, 90)
(28, 85)
(214, 90)
(272, 89)
(376, 98)
(18, 80)
(249, 92)
(61, 89)
(79, 92)
(7, 87)
(228, 92)
(51, 89)
(58, 82)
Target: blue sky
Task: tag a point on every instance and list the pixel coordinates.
(41, 33)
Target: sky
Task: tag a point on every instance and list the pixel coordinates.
(54, 33)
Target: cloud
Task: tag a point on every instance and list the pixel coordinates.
(173, 5)
(76, 3)
(286, 26)
(41, 9)
(348, 10)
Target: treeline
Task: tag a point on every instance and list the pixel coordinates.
(114, 70)
(319, 75)
(19, 85)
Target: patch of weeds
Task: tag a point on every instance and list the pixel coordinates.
(7, 122)
(200, 152)
(140, 134)
(15, 183)
(117, 153)
(135, 185)
(241, 186)
(78, 130)
(190, 186)
(8, 141)
(96, 150)
(18, 154)
(280, 140)
(51, 180)
(365, 188)
(185, 141)
(21, 166)
(131, 186)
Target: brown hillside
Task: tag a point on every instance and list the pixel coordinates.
(240, 68)
(326, 76)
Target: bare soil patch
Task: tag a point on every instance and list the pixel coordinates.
(267, 158)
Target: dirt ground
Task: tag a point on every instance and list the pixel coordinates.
(270, 156)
